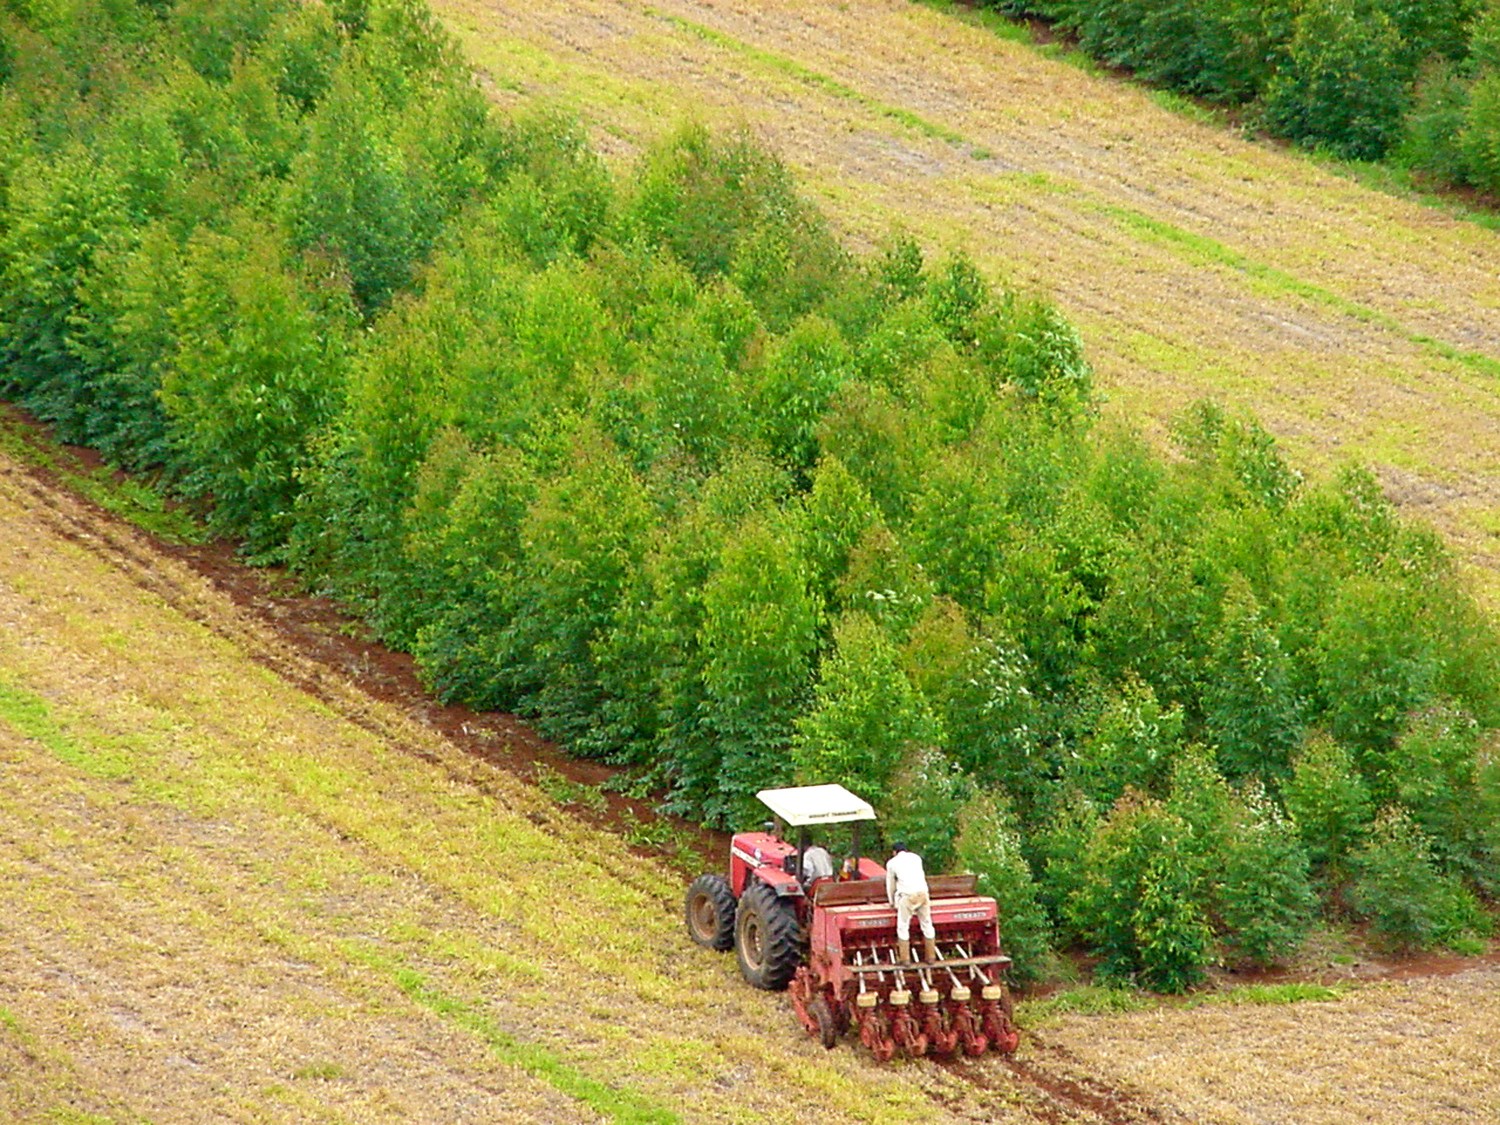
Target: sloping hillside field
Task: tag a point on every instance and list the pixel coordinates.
(243, 879)
(1195, 264)
(225, 899)
(228, 897)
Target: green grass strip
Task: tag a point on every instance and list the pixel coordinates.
(1292, 992)
(1088, 999)
(1203, 250)
(1007, 27)
(130, 499)
(1400, 183)
(1001, 25)
(29, 715)
(1104, 1000)
(618, 1105)
(781, 64)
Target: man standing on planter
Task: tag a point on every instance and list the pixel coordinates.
(906, 890)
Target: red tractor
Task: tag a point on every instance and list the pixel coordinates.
(829, 937)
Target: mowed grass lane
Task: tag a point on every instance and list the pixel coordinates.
(1356, 325)
(223, 898)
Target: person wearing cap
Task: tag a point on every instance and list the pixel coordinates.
(906, 890)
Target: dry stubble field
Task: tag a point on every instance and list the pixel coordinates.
(1356, 325)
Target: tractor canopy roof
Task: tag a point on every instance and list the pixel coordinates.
(816, 804)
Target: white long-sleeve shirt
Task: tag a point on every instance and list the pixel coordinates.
(904, 876)
(816, 863)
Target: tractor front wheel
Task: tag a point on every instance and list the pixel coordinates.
(767, 938)
(710, 912)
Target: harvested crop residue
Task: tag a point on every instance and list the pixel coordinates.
(1417, 1050)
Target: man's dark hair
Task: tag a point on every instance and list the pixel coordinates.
(898, 845)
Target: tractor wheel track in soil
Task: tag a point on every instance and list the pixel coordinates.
(1058, 1092)
(1079, 1092)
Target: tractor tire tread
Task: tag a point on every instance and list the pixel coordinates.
(781, 939)
(711, 892)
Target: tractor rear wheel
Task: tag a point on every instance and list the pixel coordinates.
(767, 938)
(710, 912)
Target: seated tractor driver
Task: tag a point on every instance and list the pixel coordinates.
(816, 864)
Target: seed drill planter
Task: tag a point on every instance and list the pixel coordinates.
(831, 942)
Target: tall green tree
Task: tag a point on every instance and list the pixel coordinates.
(866, 717)
(1251, 712)
(1140, 909)
(458, 583)
(350, 198)
(1267, 903)
(801, 375)
(1410, 904)
(1479, 137)
(989, 845)
(1433, 771)
(582, 542)
(1329, 802)
(258, 369)
(925, 794)
(1133, 742)
(670, 616)
(1343, 84)
(123, 341)
(980, 689)
(61, 212)
(760, 633)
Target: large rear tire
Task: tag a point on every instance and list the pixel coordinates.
(709, 911)
(767, 938)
